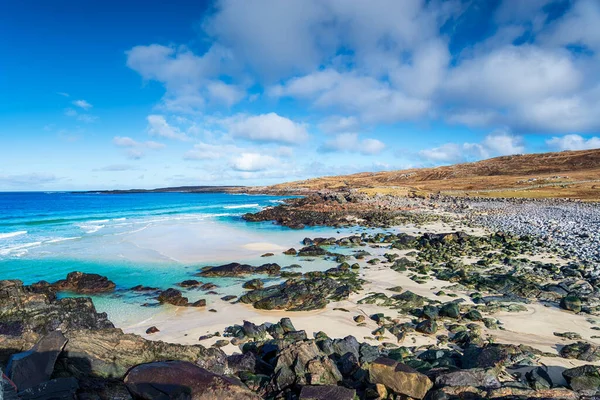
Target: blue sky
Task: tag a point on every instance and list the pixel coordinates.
(107, 94)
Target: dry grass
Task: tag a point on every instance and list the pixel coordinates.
(572, 174)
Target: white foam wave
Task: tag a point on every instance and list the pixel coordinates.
(241, 206)
(58, 240)
(89, 228)
(19, 248)
(12, 234)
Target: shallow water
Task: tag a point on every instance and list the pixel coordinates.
(153, 239)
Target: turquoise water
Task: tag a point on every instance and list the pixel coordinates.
(150, 239)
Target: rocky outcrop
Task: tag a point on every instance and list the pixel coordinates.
(183, 380)
(109, 353)
(299, 295)
(585, 379)
(236, 269)
(83, 283)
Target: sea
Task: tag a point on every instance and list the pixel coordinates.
(150, 239)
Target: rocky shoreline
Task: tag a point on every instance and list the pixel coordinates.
(439, 342)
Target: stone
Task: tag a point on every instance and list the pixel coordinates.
(399, 378)
(581, 351)
(290, 252)
(253, 284)
(199, 303)
(428, 326)
(237, 269)
(183, 380)
(571, 303)
(312, 251)
(359, 319)
(82, 283)
(476, 377)
(34, 367)
(326, 392)
(110, 353)
(152, 330)
(539, 379)
(450, 310)
(585, 378)
(189, 283)
(172, 296)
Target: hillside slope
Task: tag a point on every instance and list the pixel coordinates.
(573, 174)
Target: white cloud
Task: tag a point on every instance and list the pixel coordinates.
(251, 162)
(82, 104)
(28, 181)
(269, 127)
(136, 150)
(87, 118)
(158, 126)
(207, 151)
(573, 142)
(117, 168)
(350, 142)
(190, 80)
(500, 143)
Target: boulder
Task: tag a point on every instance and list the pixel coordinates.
(428, 327)
(109, 353)
(571, 303)
(253, 284)
(172, 296)
(326, 392)
(585, 378)
(82, 283)
(183, 380)
(237, 269)
(399, 378)
(450, 310)
(581, 351)
(34, 367)
(312, 251)
(475, 377)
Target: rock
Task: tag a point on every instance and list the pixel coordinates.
(326, 392)
(450, 310)
(268, 255)
(199, 303)
(55, 389)
(399, 378)
(34, 367)
(473, 315)
(152, 330)
(109, 353)
(298, 295)
(25, 316)
(428, 326)
(236, 269)
(312, 251)
(476, 377)
(228, 297)
(82, 283)
(571, 303)
(172, 296)
(290, 252)
(189, 283)
(585, 378)
(253, 284)
(520, 393)
(140, 288)
(581, 351)
(539, 379)
(183, 380)
(359, 319)
(302, 363)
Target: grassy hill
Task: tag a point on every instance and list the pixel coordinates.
(573, 174)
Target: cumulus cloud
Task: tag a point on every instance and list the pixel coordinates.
(88, 118)
(158, 126)
(500, 143)
(350, 142)
(251, 162)
(269, 127)
(573, 142)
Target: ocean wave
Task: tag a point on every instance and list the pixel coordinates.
(12, 234)
(89, 228)
(277, 201)
(58, 240)
(21, 247)
(254, 205)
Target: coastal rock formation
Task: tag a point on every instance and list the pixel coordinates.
(83, 283)
(236, 269)
(399, 378)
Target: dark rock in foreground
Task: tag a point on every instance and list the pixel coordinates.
(183, 380)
